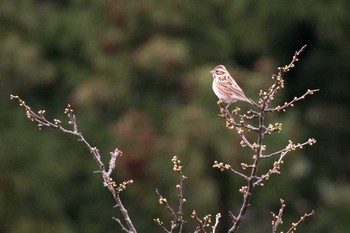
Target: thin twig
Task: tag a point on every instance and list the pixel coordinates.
(261, 130)
(201, 225)
(230, 123)
(178, 219)
(277, 164)
(277, 219)
(291, 146)
(279, 82)
(217, 218)
(222, 167)
(291, 103)
(164, 201)
(121, 224)
(302, 218)
(295, 59)
(42, 122)
(240, 174)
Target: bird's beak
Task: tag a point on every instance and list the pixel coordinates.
(212, 71)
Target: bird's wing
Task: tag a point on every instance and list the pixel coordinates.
(231, 86)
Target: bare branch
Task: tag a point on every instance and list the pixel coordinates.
(221, 166)
(257, 130)
(217, 218)
(277, 219)
(164, 201)
(203, 223)
(116, 153)
(121, 225)
(291, 103)
(291, 146)
(291, 65)
(231, 124)
(261, 130)
(178, 168)
(107, 180)
(161, 225)
(277, 164)
(200, 227)
(267, 97)
(302, 218)
(178, 219)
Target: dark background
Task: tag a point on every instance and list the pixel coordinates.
(137, 75)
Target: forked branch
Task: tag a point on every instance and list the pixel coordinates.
(250, 172)
(115, 189)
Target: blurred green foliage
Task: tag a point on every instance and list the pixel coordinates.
(137, 75)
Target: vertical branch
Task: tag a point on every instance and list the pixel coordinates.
(277, 219)
(253, 179)
(217, 218)
(247, 192)
(181, 200)
(178, 217)
(177, 167)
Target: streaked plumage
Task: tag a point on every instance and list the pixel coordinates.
(225, 87)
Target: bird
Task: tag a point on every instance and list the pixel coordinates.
(225, 87)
